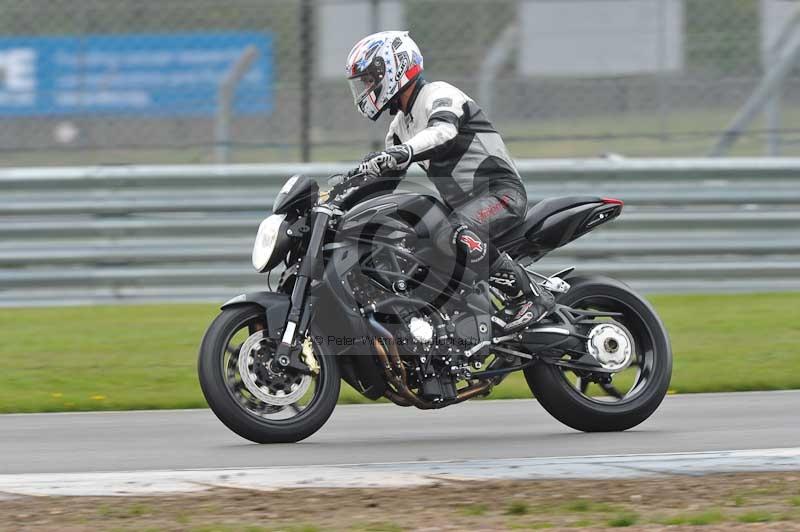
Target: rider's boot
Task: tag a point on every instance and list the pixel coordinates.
(528, 304)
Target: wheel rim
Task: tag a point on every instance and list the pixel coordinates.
(254, 385)
(633, 380)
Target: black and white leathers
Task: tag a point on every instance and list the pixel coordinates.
(468, 162)
(454, 142)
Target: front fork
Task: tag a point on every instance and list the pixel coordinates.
(301, 310)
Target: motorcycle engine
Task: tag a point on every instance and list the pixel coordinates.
(421, 330)
(437, 362)
(431, 347)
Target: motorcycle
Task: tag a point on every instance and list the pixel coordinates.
(364, 296)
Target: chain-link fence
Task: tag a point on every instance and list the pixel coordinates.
(138, 81)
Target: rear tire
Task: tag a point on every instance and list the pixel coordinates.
(216, 385)
(569, 405)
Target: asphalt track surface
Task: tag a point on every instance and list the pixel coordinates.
(194, 439)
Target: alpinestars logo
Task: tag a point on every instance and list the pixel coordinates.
(476, 249)
(473, 244)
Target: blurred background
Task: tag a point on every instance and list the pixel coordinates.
(125, 124)
(132, 81)
(143, 141)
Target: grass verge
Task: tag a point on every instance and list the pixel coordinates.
(681, 503)
(137, 357)
(681, 132)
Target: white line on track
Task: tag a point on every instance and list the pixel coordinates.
(402, 474)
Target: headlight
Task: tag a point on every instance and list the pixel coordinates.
(271, 232)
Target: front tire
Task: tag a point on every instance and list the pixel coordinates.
(243, 411)
(570, 403)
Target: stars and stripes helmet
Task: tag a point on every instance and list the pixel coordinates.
(378, 67)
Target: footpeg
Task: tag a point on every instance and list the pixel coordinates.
(555, 284)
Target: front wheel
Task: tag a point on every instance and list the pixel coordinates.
(254, 397)
(621, 400)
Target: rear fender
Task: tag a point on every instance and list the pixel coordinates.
(570, 224)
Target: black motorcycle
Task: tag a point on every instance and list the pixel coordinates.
(364, 296)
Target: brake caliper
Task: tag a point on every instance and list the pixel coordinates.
(308, 356)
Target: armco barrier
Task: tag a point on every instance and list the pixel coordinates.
(177, 233)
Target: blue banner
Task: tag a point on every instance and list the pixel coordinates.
(175, 74)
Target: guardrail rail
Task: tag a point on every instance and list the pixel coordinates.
(184, 233)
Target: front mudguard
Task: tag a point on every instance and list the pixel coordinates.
(276, 308)
(360, 371)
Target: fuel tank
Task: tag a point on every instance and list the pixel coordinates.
(406, 224)
(408, 218)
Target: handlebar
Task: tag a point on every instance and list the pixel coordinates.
(340, 183)
(336, 180)
(353, 173)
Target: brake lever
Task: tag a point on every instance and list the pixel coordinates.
(351, 179)
(355, 172)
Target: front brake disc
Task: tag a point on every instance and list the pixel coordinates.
(280, 388)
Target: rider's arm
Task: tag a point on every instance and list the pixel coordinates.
(444, 112)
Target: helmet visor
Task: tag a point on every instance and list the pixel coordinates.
(362, 86)
(368, 81)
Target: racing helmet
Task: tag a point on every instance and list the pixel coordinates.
(378, 68)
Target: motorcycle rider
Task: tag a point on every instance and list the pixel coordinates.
(441, 128)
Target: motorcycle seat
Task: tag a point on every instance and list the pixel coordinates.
(540, 212)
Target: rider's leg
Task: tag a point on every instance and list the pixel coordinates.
(528, 305)
(473, 226)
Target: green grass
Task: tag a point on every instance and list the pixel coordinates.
(682, 132)
(580, 505)
(756, 517)
(584, 505)
(541, 525)
(517, 508)
(474, 509)
(708, 517)
(623, 520)
(717, 345)
(378, 527)
(135, 357)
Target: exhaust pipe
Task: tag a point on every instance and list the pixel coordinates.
(396, 375)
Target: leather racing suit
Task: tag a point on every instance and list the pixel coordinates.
(468, 163)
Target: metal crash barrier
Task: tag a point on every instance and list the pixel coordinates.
(184, 233)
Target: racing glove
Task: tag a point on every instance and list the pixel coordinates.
(392, 159)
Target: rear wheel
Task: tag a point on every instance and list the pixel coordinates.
(621, 400)
(254, 397)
